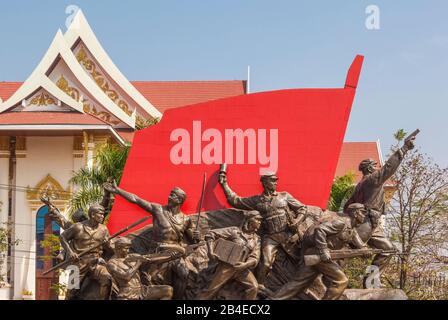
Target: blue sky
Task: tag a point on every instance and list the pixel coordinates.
(288, 44)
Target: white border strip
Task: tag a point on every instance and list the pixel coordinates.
(61, 127)
(380, 154)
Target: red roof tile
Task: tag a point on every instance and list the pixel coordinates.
(165, 95)
(126, 135)
(7, 89)
(353, 153)
(168, 94)
(48, 118)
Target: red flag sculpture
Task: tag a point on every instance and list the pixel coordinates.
(297, 133)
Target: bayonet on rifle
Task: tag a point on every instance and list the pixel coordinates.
(65, 263)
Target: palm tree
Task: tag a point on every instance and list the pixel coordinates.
(341, 190)
(109, 164)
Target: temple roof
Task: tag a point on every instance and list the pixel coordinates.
(172, 94)
(166, 95)
(7, 89)
(49, 118)
(76, 74)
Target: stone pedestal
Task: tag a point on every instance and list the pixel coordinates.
(374, 294)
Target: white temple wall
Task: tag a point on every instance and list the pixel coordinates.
(44, 155)
(4, 165)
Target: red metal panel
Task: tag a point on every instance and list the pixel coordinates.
(311, 124)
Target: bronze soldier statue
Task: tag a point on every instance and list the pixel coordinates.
(62, 221)
(77, 216)
(238, 252)
(59, 218)
(281, 215)
(370, 192)
(170, 226)
(332, 231)
(81, 236)
(124, 268)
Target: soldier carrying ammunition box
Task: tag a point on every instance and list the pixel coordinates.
(238, 252)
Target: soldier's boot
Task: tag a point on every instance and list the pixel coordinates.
(104, 291)
(105, 286)
(158, 292)
(335, 290)
(379, 241)
(381, 261)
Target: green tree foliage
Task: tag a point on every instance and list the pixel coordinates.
(418, 215)
(109, 163)
(355, 269)
(52, 243)
(341, 190)
(400, 135)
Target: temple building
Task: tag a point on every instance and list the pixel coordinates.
(53, 124)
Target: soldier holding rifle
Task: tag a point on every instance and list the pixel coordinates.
(80, 236)
(370, 192)
(170, 226)
(124, 268)
(77, 216)
(332, 231)
(281, 215)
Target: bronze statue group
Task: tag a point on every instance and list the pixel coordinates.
(268, 246)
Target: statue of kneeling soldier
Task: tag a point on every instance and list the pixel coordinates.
(125, 271)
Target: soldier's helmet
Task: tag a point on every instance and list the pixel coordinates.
(252, 215)
(268, 176)
(123, 242)
(366, 164)
(355, 207)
